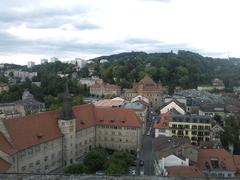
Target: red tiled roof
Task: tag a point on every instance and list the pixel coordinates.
(34, 129)
(39, 128)
(236, 159)
(163, 122)
(224, 158)
(184, 171)
(84, 115)
(147, 84)
(106, 86)
(4, 166)
(147, 80)
(5, 146)
(117, 117)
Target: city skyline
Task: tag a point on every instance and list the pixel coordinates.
(31, 31)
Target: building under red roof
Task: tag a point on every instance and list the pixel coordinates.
(184, 171)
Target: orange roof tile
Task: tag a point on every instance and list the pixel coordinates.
(117, 117)
(236, 159)
(147, 84)
(224, 158)
(84, 115)
(163, 122)
(106, 86)
(4, 166)
(34, 129)
(184, 171)
(39, 128)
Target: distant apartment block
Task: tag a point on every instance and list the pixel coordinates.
(91, 81)
(43, 61)
(30, 64)
(105, 89)
(20, 74)
(54, 59)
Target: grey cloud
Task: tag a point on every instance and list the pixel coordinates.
(36, 16)
(12, 45)
(141, 41)
(162, 1)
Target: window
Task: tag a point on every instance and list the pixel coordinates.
(37, 148)
(194, 127)
(45, 158)
(37, 162)
(30, 165)
(23, 168)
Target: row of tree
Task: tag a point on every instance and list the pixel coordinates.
(100, 160)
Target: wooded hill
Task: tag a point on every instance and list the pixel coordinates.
(185, 69)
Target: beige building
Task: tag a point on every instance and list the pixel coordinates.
(44, 142)
(90, 81)
(105, 89)
(3, 87)
(148, 88)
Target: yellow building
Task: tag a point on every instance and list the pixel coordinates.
(197, 128)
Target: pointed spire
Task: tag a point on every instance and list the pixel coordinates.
(66, 112)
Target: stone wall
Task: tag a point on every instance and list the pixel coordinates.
(78, 177)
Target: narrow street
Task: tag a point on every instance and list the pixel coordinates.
(146, 153)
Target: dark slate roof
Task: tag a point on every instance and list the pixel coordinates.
(190, 118)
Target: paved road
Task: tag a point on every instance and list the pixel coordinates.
(146, 153)
(147, 156)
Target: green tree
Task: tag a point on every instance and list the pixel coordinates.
(3, 79)
(231, 134)
(75, 169)
(118, 163)
(52, 103)
(95, 160)
(77, 100)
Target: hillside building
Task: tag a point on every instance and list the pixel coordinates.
(147, 88)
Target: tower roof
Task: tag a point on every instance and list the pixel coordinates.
(147, 80)
(66, 111)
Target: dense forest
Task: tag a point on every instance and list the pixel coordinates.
(185, 69)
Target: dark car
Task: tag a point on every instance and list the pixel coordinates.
(141, 163)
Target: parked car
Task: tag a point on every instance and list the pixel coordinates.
(141, 163)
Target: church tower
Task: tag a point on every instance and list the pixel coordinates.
(67, 125)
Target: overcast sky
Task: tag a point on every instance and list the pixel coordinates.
(31, 30)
